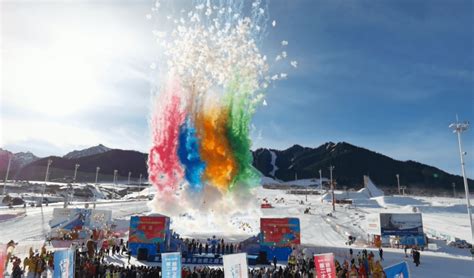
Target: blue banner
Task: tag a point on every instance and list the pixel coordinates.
(171, 265)
(64, 263)
(399, 270)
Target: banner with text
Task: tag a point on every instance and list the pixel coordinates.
(399, 270)
(148, 229)
(235, 265)
(64, 263)
(324, 264)
(171, 265)
(280, 232)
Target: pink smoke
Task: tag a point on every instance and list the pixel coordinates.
(164, 169)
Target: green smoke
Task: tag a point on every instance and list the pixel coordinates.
(241, 105)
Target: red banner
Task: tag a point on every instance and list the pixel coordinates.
(324, 264)
(3, 258)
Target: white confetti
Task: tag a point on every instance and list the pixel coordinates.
(148, 16)
(284, 43)
(265, 103)
(294, 64)
(274, 23)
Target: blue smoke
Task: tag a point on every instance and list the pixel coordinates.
(188, 154)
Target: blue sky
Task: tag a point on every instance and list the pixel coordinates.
(389, 76)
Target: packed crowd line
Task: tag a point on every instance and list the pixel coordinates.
(91, 262)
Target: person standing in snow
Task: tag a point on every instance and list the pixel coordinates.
(378, 270)
(416, 257)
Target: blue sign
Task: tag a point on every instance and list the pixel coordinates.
(171, 265)
(399, 270)
(64, 263)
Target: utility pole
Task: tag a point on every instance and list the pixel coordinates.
(331, 168)
(6, 175)
(75, 172)
(454, 189)
(458, 128)
(45, 180)
(398, 182)
(96, 174)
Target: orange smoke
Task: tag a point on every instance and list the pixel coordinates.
(221, 167)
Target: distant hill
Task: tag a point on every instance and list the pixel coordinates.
(18, 160)
(351, 163)
(87, 152)
(114, 159)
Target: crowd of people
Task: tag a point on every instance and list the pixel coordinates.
(92, 261)
(214, 246)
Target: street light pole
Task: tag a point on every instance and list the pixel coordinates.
(96, 174)
(454, 189)
(115, 176)
(331, 168)
(140, 182)
(398, 182)
(75, 172)
(458, 128)
(6, 175)
(129, 174)
(45, 180)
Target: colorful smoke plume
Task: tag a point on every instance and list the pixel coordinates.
(212, 78)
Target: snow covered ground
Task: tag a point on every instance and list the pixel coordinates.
(320, 232)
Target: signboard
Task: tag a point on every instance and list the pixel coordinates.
(78, 218)
(324, 264)
(171, 265)
(148, 229)
(400, 224)
(235, 265)
(64, 263)
(281, 232)
(399, 270)
(373, 224)
(3, 258)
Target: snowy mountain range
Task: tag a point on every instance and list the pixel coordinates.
(87, 152)
(297, 162)
(18, 159)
